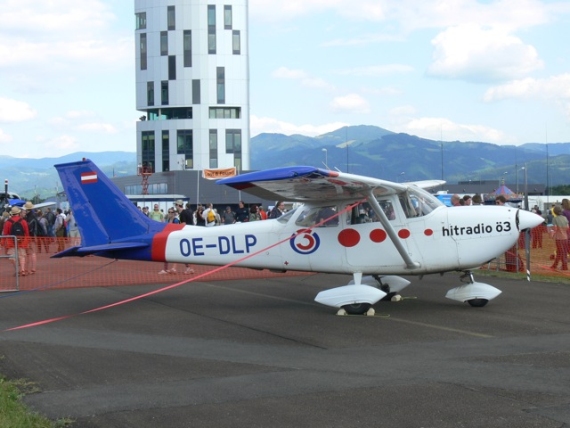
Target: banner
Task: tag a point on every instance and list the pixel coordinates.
(216, 174)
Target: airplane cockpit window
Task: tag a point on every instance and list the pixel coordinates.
(324, 215)
(285, 217)
(417, 202)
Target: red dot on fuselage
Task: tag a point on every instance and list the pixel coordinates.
(428, 232)
(349, 237)
(404, 233)
(378, 235)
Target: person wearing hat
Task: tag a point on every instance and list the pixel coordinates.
(34, 230)
(21, 232)
(185, 215)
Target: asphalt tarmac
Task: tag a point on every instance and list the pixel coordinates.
(261, 353)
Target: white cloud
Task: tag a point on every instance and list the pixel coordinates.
(411, 15)
(364, 39)
(474, 53)
(41, 40)
(62, 143)
(352, 103)
(259, 125)
(15, 111)
(403, 111)
(303, 77)
(435, 128)
(4, 138)
(376, 70)
(288, 73)
(78, 114)
(103, 128)
(552, 88)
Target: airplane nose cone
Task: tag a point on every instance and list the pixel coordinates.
(528, 220)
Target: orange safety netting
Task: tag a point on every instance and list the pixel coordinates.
(74, 272)
(542, 249)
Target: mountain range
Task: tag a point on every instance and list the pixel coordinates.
(366, 150)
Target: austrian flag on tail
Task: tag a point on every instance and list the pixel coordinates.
(88, 177)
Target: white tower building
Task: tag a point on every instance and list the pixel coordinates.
(192, 84)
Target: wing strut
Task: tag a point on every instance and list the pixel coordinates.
(391, 232)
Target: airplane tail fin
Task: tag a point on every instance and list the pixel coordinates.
(106, 218)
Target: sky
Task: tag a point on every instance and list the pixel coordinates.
(451, 70)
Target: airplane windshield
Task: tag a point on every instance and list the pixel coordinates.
(285, 217)
(417, 202)
(323, 216)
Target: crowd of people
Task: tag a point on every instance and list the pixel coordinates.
(28, 231)
(208, 216)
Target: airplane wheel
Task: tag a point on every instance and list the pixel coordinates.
(357, 308)
(477, 303)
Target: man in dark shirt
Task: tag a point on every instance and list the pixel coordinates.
(242, 213)
(185, 215)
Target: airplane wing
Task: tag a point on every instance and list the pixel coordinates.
(306, 183)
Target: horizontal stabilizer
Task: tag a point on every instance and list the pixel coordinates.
(85, 251)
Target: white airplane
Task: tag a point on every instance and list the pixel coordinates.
(412, 232)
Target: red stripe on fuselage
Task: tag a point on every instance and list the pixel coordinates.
(158, 251)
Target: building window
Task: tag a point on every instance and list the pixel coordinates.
(147, 152)
(142, 42)
(171, 18)
(140, 20)
(196, 91)
(213, 148)
(225, 113)
(236, 42)
(165, 150)
(184, 146)
(170, 113)
(221, 84)
(187, 48)
(233, 141)
(164, 43)
(211, 29)
(164, 92)
(150, 93)
(233, 145)
(172, 67)
(227, 17)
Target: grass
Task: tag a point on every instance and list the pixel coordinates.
(14, 414)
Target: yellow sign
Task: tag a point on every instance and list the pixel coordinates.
(216, 174)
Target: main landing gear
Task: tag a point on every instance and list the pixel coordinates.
(477, 294)
(361, 293)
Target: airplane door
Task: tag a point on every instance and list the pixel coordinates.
(367, 244)
(315, 244)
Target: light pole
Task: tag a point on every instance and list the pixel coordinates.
(326, 158)
(525, 188)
